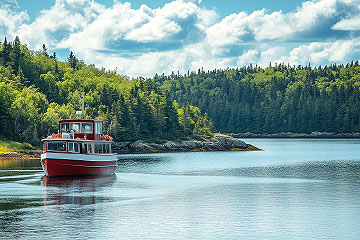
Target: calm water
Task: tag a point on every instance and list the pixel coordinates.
(294, 189)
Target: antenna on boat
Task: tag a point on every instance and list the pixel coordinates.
(82, 102)
(79, 113)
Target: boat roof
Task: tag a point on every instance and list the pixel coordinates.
(79, 120)
(74, 140)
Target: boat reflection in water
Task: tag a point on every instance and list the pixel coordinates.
(81, 191)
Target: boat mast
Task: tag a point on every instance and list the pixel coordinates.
(82, 107)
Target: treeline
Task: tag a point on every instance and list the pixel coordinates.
(276, 99)
(37, 90)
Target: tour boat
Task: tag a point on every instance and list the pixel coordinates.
(79, 149)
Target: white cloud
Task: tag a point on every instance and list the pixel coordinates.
(58, 23)
(9, 4)
(273, 55)
(249, 57)
(155, 39)
(10, 21)
(121, 27)
(183, 36)
(351, 24)
(330, 52)
(302, 24)
(194, 1)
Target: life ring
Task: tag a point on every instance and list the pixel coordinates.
(108, 138)
(55, 136)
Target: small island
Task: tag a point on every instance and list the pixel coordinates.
(219, 142)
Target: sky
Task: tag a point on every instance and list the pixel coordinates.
(142, 38)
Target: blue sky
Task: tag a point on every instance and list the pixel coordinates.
(141, 38)
(222, 7)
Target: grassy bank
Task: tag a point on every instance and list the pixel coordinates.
(9, 146)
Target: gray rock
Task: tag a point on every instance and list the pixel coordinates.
(219, 142)
(228, 142)
(120, 146)
(156, 146)
(191, 144)
(140, 145)
(172, 145)
(211, 145)
(34, 152)
(9, 154)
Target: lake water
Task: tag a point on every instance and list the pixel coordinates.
(294, 189)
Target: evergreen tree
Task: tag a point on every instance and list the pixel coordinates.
(278, 98)
(172, 126)
(6, 52)
(54, 57)
(15, 54)
(44, 51)
(72, 60)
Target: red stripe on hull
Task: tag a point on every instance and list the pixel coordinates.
(63, 167)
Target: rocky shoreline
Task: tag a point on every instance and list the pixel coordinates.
(33, 154)
(296, 135)
(219, 142)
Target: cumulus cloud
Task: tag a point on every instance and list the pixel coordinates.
(177, 21)
(249, 57)
(195, 1)
(10, 20)
(66, 17)
(273, 54)
(331, 52)
(151, 38)
(314, 20)
(9, 4)
(325, 31)
(121, 28)
(181, 35)
(351, 24)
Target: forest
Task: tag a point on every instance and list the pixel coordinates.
(279, 98)
(37, 90)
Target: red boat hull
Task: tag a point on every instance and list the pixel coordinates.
(65, 167)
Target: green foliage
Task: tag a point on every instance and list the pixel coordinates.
(37, 90)
(203, 127)
(193, 122)
(270, 100)
(27, 110)
(9, 146)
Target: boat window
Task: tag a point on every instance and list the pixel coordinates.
(106, 148)
(56, 146)
(76, 147)
(98, 128)
(73, 147)
(98, 148)
(102, 148)
(75, 127)
(90, 149)
(64, 127)
(87, 128)
(83, 148)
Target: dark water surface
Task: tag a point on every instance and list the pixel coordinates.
(294, 189)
